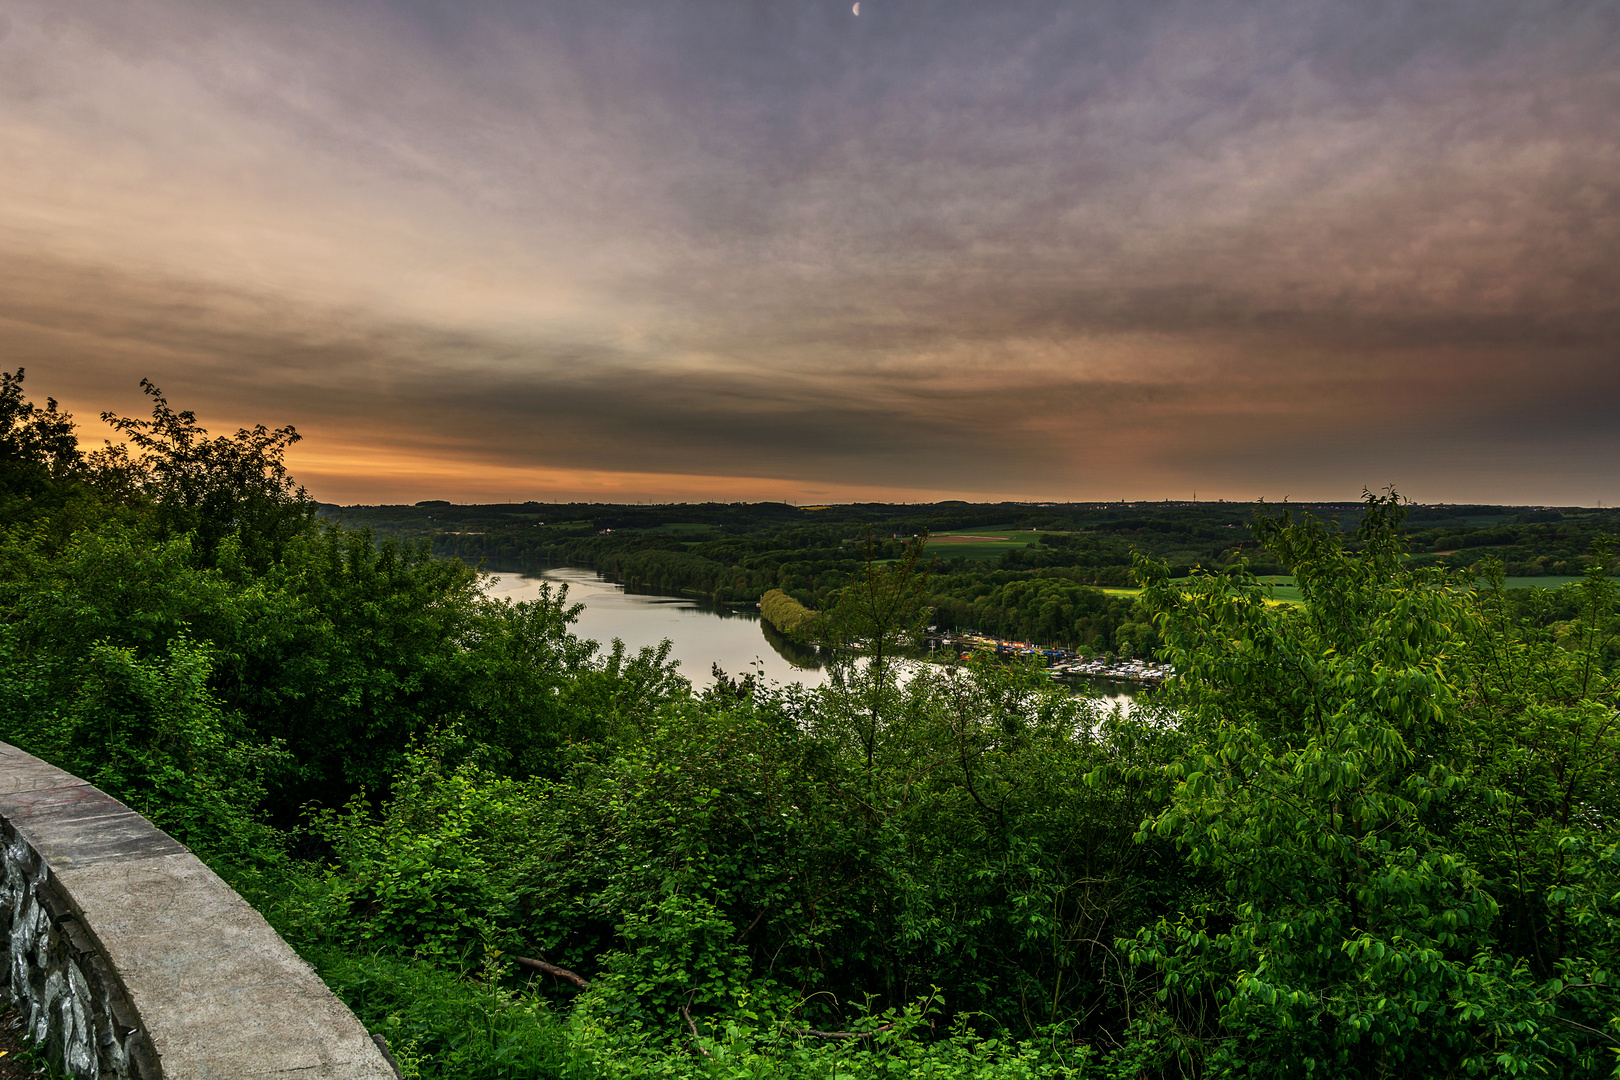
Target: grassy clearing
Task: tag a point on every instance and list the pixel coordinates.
(981, 530)
(970, 547)
(1548, 582)
(970, 552)
(1006, 538)
(1283, 590)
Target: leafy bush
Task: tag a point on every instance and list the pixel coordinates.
(148, 731)
(439, 1024)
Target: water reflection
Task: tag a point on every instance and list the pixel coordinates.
(802, 656)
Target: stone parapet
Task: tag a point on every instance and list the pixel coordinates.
(131, 959)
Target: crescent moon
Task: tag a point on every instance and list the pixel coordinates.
(857, 9)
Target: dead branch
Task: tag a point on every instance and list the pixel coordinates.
(553, 969)
(693, 1025)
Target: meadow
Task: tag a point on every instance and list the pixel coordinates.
(985, 544)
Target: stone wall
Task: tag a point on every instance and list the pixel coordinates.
(129, 958)
(63, 987)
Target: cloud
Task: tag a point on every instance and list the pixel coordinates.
(1117, 250)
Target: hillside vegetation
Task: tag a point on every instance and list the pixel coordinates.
(1372, 835)
(1015, 570)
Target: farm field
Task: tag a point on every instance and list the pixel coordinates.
(1282, 587)
(680, 527)
(979, 545)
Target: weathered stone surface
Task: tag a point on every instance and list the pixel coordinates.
(134, 960)
(21, 771)
(80, 825)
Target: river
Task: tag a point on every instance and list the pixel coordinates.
(701, 635)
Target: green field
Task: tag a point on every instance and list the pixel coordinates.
(941, 546)
(1548, 582)
(1281, 586)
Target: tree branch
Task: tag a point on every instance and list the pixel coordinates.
(751, 925)
(553, 969)
(1583, 1027)
(693, 1025)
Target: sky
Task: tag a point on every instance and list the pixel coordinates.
(708, 249)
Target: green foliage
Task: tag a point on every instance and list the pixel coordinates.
(679, 953)
(894, 1042)
(1044, 609)
(1337, 790)
(426, 878)
(350, 649)
(343, 651)
(441, 1025)
(879, 617)
(148, 731)
(728, 850)
(38, 452)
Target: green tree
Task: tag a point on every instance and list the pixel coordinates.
(873, 622)
(38, 446)
(1341, 781)
(42, 471)
(150, 732)
(217, 487)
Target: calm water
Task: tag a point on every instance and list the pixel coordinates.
(701, 635)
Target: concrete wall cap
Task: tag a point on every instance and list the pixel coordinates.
(218, 993)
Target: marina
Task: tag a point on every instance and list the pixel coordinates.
(1061, 663)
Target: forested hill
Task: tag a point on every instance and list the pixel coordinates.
(1023, 570)
(1529, 541)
